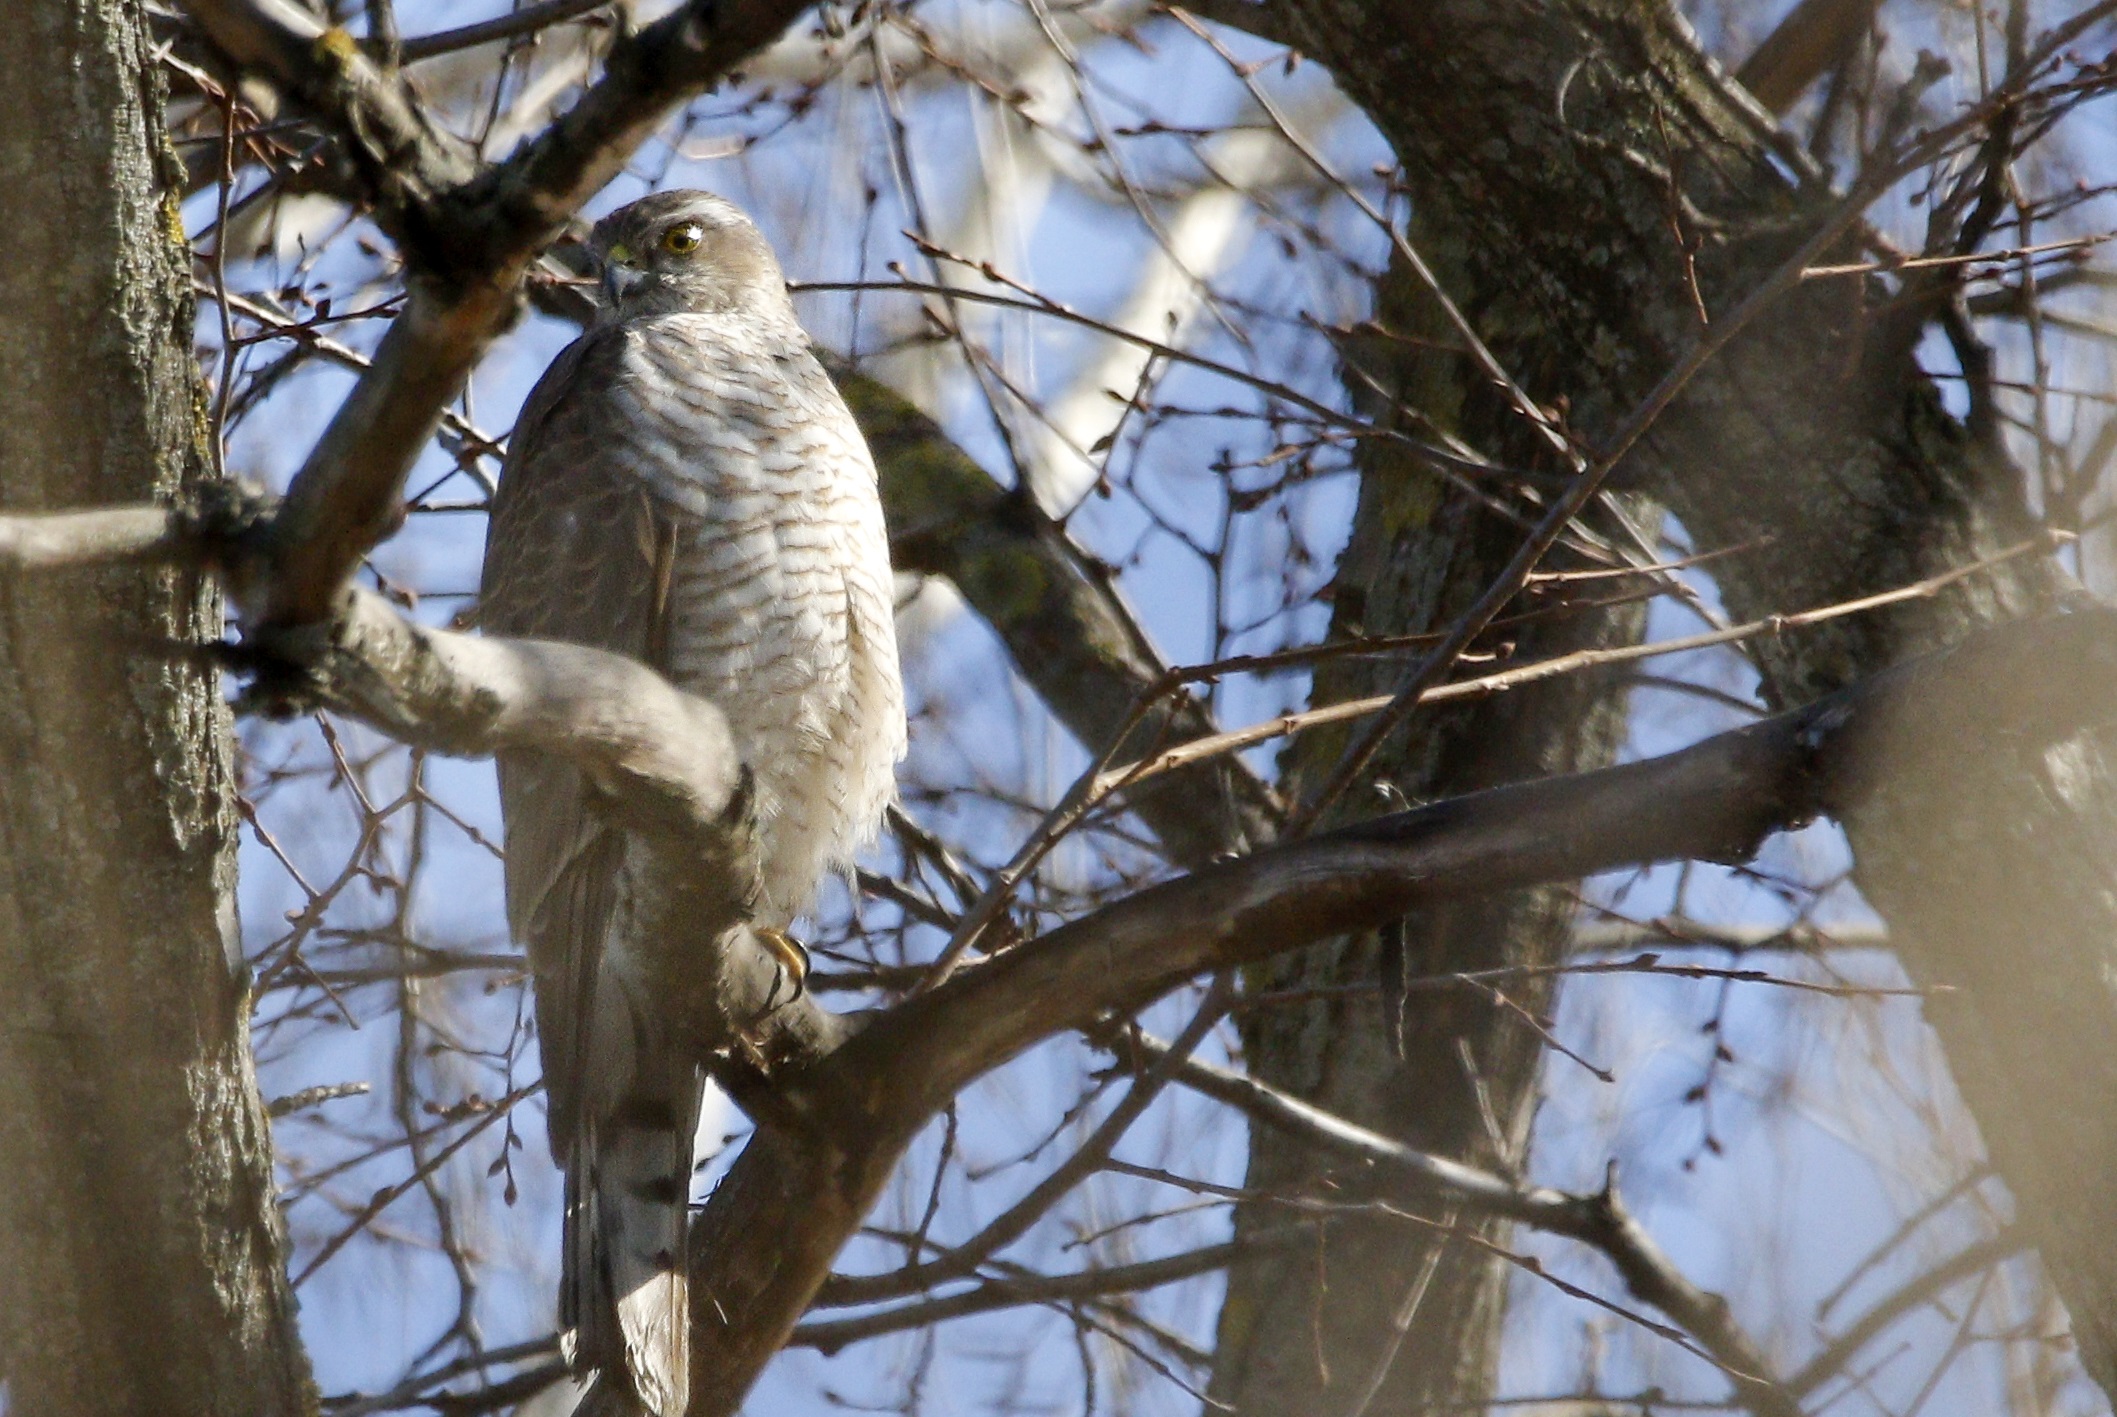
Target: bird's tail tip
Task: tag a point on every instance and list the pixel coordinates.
(625, 1295)
(609, 1394)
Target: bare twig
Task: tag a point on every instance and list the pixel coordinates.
(1599, 1220)
(1003, 1292)
(530, 19)
(313, 1097)
(1234, 740)
(1929, 1286)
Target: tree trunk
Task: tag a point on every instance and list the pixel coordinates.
(140, 1255)
(1549, 138)
(1309, 1332)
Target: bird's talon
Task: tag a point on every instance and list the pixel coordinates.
(791, 956)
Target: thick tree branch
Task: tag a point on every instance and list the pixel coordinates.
(667, 769)
(36, 541)
(406, 162)
(663, 759)
(2029, 683)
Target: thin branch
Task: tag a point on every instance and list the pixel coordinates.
(1906, 1228)
(1973, 1259)
(390, 1194)
(529, 20)
(1071, 634)
(1002, 1292)
(1599, 1221)
(964, 1259)
(1129, 775)
(413, 1390)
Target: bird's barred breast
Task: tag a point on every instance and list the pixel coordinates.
(780, 595)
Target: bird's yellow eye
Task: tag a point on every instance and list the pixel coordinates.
(683, 240)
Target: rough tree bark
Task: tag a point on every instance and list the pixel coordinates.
(1553, 140)
(140, 1257)
(1317, 1330)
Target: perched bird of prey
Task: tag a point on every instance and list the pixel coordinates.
(684, 486)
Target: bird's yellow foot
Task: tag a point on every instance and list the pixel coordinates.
(791, 954)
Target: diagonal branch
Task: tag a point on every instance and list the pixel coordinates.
(1973, 1259)
(528, 20)
(666, 767)
(1007, 1292)
(1802, 48)
(404, 161)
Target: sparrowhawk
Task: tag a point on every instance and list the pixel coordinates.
(684, 486)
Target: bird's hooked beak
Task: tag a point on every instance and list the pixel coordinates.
(620, 275)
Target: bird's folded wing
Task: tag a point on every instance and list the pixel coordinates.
(577, 551)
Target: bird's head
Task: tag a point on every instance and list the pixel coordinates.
(684, 251)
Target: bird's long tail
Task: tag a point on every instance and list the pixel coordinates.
(623, 1291)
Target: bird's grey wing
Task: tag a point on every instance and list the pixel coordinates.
(579, 550)
(575, 551)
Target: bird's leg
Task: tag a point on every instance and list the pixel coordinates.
(791, 956)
